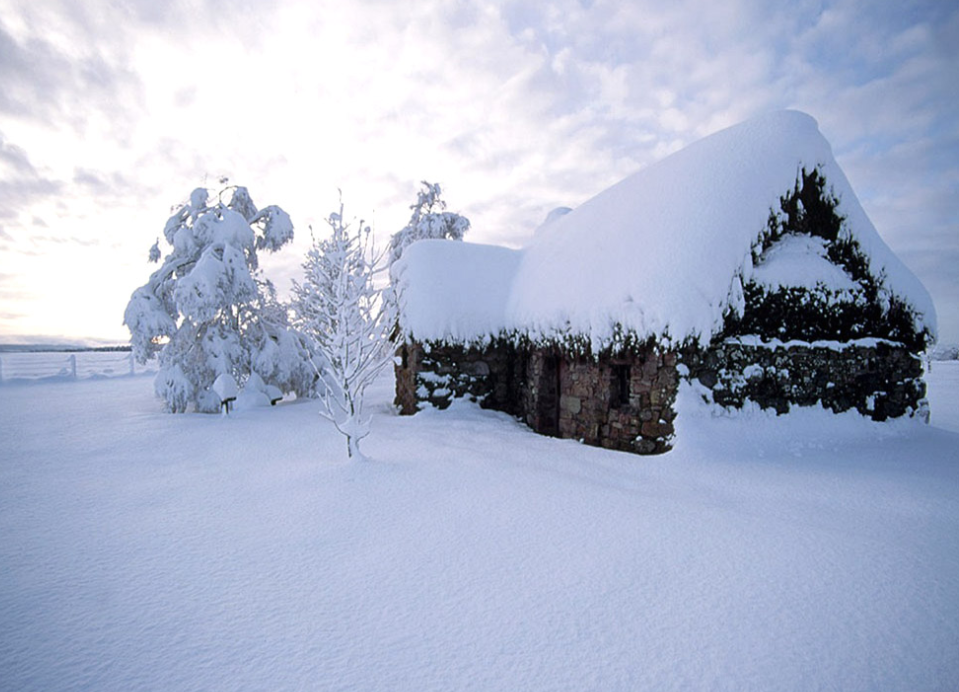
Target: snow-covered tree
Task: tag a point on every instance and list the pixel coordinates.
(279, 353)
(349, 318)
(429, 220)
(206, 311)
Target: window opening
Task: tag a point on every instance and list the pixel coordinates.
(619, 386)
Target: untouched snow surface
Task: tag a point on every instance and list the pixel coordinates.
(943, 381)
(146, 551)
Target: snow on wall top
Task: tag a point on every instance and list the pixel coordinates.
(801, 261)
(658, 254)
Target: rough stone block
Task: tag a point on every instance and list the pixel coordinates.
(570, 403)
(656, 429)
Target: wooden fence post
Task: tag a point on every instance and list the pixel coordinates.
(73, 365)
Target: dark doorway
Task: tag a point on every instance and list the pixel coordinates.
(547, 405)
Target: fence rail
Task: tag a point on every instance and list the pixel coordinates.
(60, 366)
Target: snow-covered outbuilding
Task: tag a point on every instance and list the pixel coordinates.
(744, 263)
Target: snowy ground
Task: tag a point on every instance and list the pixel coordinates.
(143, 551)
(943, 395)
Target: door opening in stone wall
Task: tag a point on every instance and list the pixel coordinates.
(548, 402)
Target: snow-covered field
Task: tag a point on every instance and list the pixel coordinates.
(943, 395)
(144, 551)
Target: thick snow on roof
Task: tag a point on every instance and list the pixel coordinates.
(659, 253)
(454, 291)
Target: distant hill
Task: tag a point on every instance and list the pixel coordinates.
(57, 347)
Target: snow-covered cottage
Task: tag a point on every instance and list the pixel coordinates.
(743, 263)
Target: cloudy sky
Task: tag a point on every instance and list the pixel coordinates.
(111, 112)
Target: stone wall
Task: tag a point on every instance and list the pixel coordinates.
(623, 403)
(880, 380)
(627, 402)
(646, 424)
(436, 374)
(540, 396)
(405, 369)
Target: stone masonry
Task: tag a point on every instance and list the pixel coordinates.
(623, 403)
(590, 408)
(626, 402)
(881, 380)
(435, 374)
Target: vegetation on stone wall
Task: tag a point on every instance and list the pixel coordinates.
(788, 313)
(577, 345)
(880, 381)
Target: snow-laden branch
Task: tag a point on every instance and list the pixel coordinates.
(429, 220)
(206, 310)
(348, 319)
